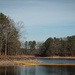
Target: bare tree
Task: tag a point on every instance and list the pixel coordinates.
(9, 37)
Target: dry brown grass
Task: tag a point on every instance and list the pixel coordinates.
(21, 60)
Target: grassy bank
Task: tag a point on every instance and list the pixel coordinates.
(27, 60)
(17, 60)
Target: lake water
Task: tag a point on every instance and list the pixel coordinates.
(41, 70)
(56, 60)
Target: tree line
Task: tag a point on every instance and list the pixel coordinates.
(11, 45)
(58, 47)
(52, 47)
(30, 47)
(9, 38)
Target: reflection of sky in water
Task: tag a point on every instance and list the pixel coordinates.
(56, 61)
(38, 70)
(28, 70)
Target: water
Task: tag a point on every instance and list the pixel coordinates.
(56, 61)
(38, 70)
(41, 70)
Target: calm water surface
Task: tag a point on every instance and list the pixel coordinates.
(38, 70)
(41, 70)
(56, 61)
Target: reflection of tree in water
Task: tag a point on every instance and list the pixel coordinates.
(28, 70)
(38, 70)
(8, 71)
(71, 70)
(56, 70)
(31, 70)
(63, 70)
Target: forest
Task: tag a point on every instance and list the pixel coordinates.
(9, 36)
(52, 47)
(11, 45)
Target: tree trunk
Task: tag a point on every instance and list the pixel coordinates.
(6, 45)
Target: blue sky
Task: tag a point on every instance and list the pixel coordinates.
(42, 18)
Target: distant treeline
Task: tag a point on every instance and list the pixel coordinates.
(11, 45)
(59, 47)
(52, 47)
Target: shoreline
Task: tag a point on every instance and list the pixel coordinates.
(58, 57)
(24, 63)
(27, 60)
(31, 56)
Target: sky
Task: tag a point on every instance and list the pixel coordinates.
(42, 18)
